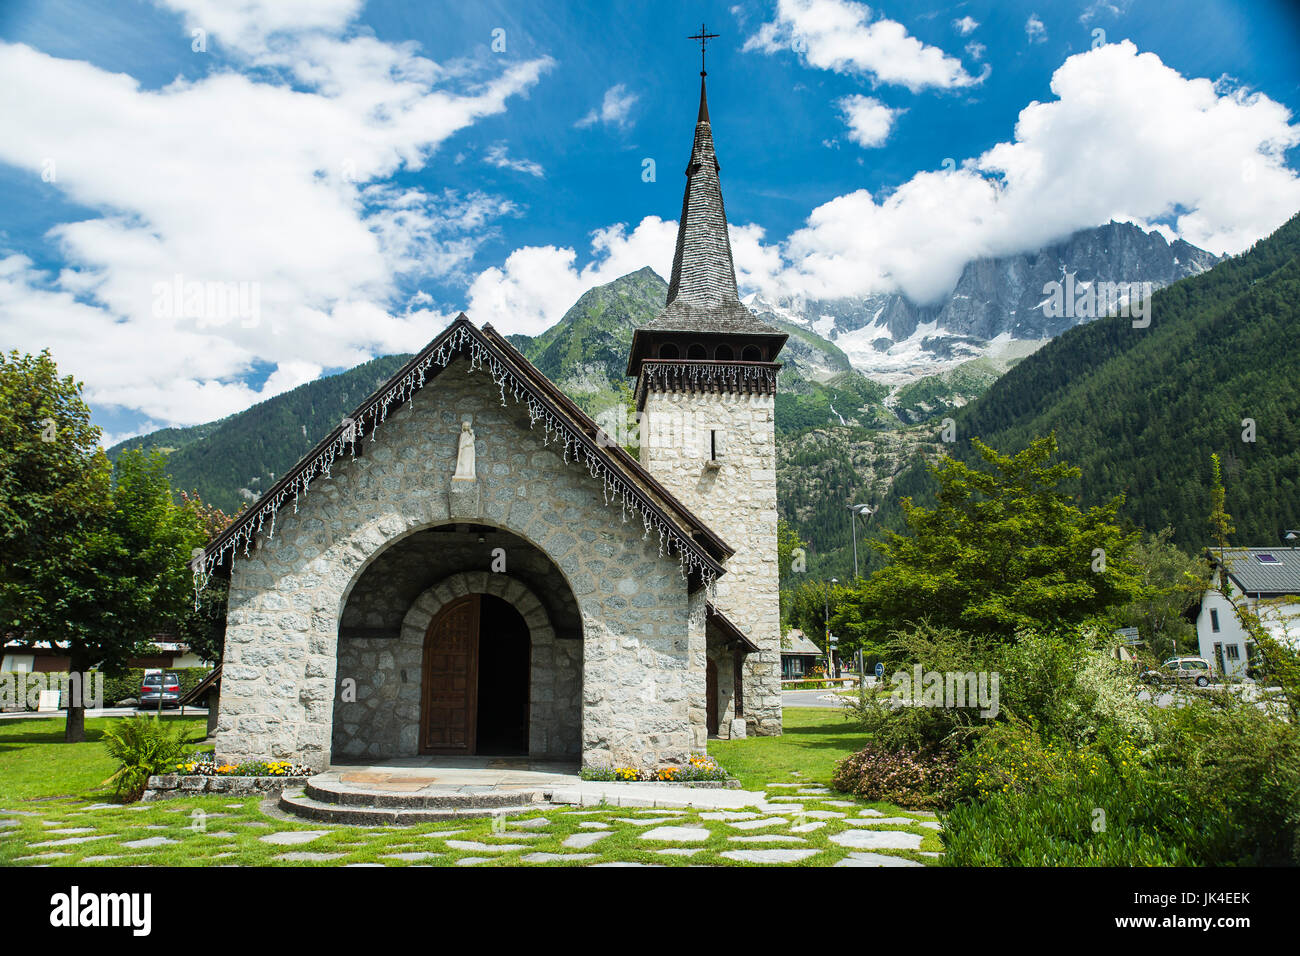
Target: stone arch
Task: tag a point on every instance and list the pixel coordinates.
(392, 538)
(384, 719)
(427, 605)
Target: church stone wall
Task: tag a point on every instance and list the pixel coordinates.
(643, 656)
(738, 501)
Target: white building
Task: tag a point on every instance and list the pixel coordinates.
(1267, 580)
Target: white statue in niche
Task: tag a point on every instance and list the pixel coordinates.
(465, 454)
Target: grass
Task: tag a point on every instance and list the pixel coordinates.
(55, 810)
(35, 763)
(815, 739)
(218, 830)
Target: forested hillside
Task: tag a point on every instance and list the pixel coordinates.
(232, 461)
(1141, 410)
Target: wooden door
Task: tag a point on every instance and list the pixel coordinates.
(450, 679)
(711, 697)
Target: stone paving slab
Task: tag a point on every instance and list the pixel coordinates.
(808, 827)
(766, 838)
(149, 842)
(477, 847)
(292, 837)
(411, 856)
(891, 821)
(878, 840)
(768, 856)
(530, 824)
(677, 834)
(301, 856)
(556, 857)
(70, 840)
(758, 824)
(876, 859)
(580, 841)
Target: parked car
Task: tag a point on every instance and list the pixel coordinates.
(1177, 669)
(164, 684)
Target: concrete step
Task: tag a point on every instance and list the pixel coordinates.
(326, 790)
(303, 805)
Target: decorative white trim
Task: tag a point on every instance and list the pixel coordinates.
(372, 415)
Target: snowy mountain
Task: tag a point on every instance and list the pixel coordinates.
(1001, 308)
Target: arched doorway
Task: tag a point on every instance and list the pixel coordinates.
(475, 679)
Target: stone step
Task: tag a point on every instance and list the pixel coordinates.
(300, 804)
(331, 791)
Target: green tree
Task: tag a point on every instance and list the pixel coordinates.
(91, 563)
(203, 625)
(1003, 550)
(787, 543)
(1174, 583)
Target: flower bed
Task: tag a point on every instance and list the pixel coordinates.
(206, 766)
(202, 774)
(699, 770)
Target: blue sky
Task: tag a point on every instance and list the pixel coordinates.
(360, 172)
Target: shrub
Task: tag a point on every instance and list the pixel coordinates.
(1240, 764)
(900, 728)
(144, 746)
(1028, 802)
(919, 778)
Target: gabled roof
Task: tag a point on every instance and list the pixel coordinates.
(800, 644)
(729, 630)
(700, 550)
(1278, 576)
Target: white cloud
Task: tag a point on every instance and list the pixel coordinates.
(1035, 30)
(272, 170)
(839, 35)
(534, 287)
(976, 50)
(966, 25)
(615, 109)
(868, 119)
(1126, 138)
(497, 156)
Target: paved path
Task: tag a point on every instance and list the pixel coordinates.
(809, 698)
(558, 782)
(103, 712)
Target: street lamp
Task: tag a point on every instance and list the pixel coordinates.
(826, 599)
(1291, 536)
(865, 511)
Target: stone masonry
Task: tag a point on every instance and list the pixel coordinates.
(738, 500)
(642, 650)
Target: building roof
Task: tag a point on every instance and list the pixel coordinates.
(627, 483)
(799, 644)
(1262, 570)
(729, 630)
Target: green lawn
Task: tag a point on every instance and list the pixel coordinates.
(35, 762)
(55, 810)
(814, 740)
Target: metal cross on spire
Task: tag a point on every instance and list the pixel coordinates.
(704, 36)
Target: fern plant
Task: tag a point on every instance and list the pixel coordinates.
(144, 746)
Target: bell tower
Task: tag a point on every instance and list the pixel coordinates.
(706, 374)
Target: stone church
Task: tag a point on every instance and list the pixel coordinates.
(470, 565)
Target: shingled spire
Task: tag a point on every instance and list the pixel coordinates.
(703, 300)
(703, 272)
